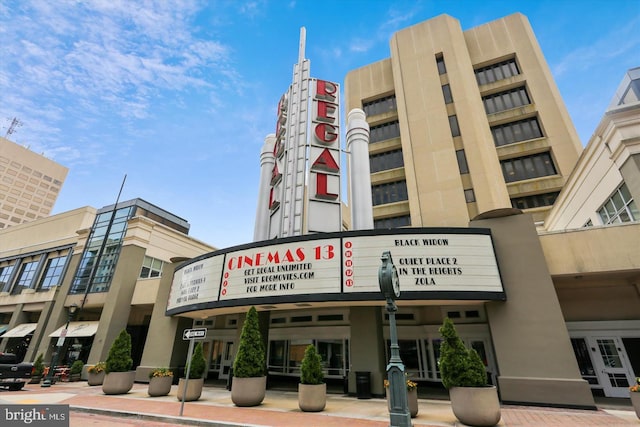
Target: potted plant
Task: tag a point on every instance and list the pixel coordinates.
(412, 396)
(76, 370)
(119, 377)
(193, 389)
(312, 390)
(473, 402)
(249, 381)
(160, 380)
(634, 394)
(95, 373)
(38, 369)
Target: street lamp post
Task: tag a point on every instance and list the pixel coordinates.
(399, 414)
(49, 380)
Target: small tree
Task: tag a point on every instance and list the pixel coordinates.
(76, 367)
(311, 369)
(38, 366)
(119, 358)
(198, 363)
(250, 359)
(459, 366)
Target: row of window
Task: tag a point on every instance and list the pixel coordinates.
(528, 167)
(535, 201)
(27, 274)
(495, 72)
(520, 130)
(386, 161)
(507, 100)
(380, 106)
(390, 192)
(393, 222)
(384, 131)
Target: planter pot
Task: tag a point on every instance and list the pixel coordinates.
(118, 382)
(475, 406)
(635, 402)
(412, 400)
(312, 397)
(248, 391)
(74, 377)
(35, 379)
(160, 386)
(95, 378)
(193, 391)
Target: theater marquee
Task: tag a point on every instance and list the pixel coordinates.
(432, 263)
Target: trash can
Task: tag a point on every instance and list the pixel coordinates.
(363, 385)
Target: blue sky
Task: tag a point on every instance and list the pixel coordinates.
(179, 95)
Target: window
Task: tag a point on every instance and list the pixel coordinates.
(453, 124)
(462, 162)
(495, 72)
(151, 267)
(385, 161)
(521, 168)
(516, 131)
(389, 193)
(535, 201)
(440, 63)
(619, 208)
(469, 196)
(506, 100)
(380, 106)
(107, 263)
(393, 222)
(5, 276)
(25, 277)
(446, 93)
(384, 131)
(52, 273)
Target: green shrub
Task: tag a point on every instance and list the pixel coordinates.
(76, 367)
(119, 358)
(250, 359)
(311, 369)
(198, 363)
(459, 366)
(38, 365)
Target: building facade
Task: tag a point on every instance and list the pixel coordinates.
(107, 262)
(29, 184)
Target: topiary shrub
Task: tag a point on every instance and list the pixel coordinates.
(311, 368)
(198, 363)
(250, 359)
(76, 367)
(459, 366)
(119, 358)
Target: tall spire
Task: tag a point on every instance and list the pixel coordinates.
(303, 40)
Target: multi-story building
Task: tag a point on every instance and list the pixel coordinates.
(107, 262)
(29, 184)
(463, 122)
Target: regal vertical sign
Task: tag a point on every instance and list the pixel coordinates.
(305, 181)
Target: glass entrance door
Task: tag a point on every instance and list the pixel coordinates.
(226, 359)
(613, 366)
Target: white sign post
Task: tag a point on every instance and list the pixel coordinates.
(191, 335)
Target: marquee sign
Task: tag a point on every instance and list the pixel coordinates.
(432, 263)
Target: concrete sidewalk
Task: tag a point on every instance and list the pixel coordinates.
(280, 408)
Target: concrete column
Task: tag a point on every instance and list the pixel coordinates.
(367, 347)
(359, 171)
(115, 313)
(164, 345)
(267, 162)
(536, 362)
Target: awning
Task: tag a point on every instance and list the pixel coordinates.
(20, 330)
(78, 329)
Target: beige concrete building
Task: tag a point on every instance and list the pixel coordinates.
(29, 184)
(108, 263)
